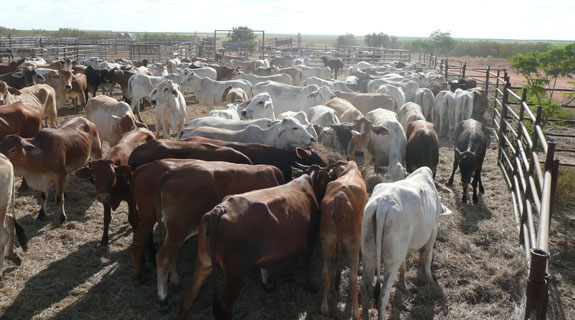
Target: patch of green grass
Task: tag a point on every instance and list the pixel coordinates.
(565, 194)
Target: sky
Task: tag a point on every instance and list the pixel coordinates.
(526, 19)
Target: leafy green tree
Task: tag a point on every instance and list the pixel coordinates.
(245, 36)
(442, 41)
(347, 39)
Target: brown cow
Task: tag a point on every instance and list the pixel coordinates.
(112, 188)
(341, 217)
(61, 81)
(232, 95)
(19, 119)
(185, 194)
(41, 96)
(366, 102)
(223, 73)
(256, 229)
(10, 67)
(52, 155)
(422, 146)
(76, 94)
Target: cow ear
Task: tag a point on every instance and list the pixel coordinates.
(154, 92)
(295, 172)
(313, 94)
(18, 74)
(141, 125)
(127, 123)
(302, 153)
(14, 91)
(84, 173)
(381, 130)
(32, 150)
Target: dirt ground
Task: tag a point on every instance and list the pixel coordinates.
(478, 264)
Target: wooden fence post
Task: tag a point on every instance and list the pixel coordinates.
(446, 70)
(502, 123)
(463, 70)
(487, 74)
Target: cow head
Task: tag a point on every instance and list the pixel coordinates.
(316, 175)
(166, 90)
(17, 149)
(64, 77)
(309, 157)
(338, 137)
(289, 134)
(29, 74)
(225, 94)
(102, 174)
(466, 160)
(260, 106)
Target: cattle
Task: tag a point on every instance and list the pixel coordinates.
(9, 224)
(422, 146)
(262, 228)
(112, 118)
(246, 66)
(470, 147)
(287, 133)
(40, 96)
(205, 72)
(77, 93)
(158, 70)
(340, 106)
(366, 102)
(10, 67)
(340, 225)
(398, 216)
(25, 77)
(322, 115)
(295, 73)
(170, 108)
(409, 112)
(480, 103)
(282, 62)
(111, 186)
(94, 78)
(463, 109)
(230, 113)
(395, 92)
(223, 124)
(425, 98)
(209, 92)
(292, 98)
(61, 81)
(141, 87)
(121, 77)
(51, 156)
(223, 73)
(336, 65)
(333, 85)
(408, 86)
(260, 106)
(19, 119)
(444, 105)
(255, 79)
(172, 65)
(185, 194)
(463, 84)
(320, 72)
(233, 95)
(387, 151)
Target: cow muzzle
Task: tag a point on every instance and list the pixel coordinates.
(68, 86)
(153, 102)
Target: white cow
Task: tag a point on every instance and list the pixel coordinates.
(395, 92)
(282, 62)
(230, 113)
(333, 85)
(294, 73)
(140, 87)
(159, 70)
(208, 92)
(170, 108)
(425, 98)
(204, 72)
(285, 134)
(409, 112)
(234, 125)
(172, 65)
(322, 115)
(264, 63)
(463, 109)
(301, 116)
(387, 151)
(398, 216)
(260, 106)
(255, 79)
(112, 118)
(320, 72)
(444, 105)
(291, 98)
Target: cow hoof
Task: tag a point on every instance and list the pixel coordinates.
(63, 219)
(41, 215)
(481, 190)
(104, 242)
(14, 258)
(475, 199)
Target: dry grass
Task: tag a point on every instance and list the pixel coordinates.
(478, 265)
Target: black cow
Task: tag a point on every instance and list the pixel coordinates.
(470, 149)
(463, 84)
(336, 65)
(94, 78)
(25, 77)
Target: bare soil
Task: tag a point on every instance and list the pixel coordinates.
(478, 264)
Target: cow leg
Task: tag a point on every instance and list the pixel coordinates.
(131, 215)
(352, 250)
(4, 240)
(328, 245)
(389, 276)
(11, 229)
(61, 183)
(23, 185)
(427, 254)
(308, 255)
(202, 271)
(369, 260)
(141, 237)
(107, 219)
(234, 281)
(166, 261)
(478, 177)
(158, 126)
(42, 213)
(455, 164)
(464, 198)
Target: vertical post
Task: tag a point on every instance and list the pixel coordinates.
(487, 74)
(446, 70)
(502, 123)
(537, 286)
(550, 165)
(463, 69)
(214, 57)
(409, 57)
(263, 44)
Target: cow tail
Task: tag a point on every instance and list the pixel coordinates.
(159, 216)
(213, 218)
(380, 225)
(20, 233)
(338, 217)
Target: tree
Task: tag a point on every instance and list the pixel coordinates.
(442, 41)
(245, 36)
(377, 40)
(346, 40)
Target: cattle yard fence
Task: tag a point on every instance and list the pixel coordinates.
(528, 161)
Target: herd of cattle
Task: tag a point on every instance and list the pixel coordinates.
(246, 179)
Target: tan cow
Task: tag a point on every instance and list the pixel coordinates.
(40, 96)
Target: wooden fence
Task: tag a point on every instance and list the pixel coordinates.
(530, 169)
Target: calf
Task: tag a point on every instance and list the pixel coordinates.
(10, 67)
(76, 94)
(170, 108)
(388, 151)
(399, 216)
(261, 228)
(61, 81)
(410, 112)
(463, 109)
(112, 118)
(232, 95)
(19, 119)
(8, 224)
(422, 146)
(341, 213)
(111, 186)
(51, 156)
(470, 147)
(185, 194)
(40, 96)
